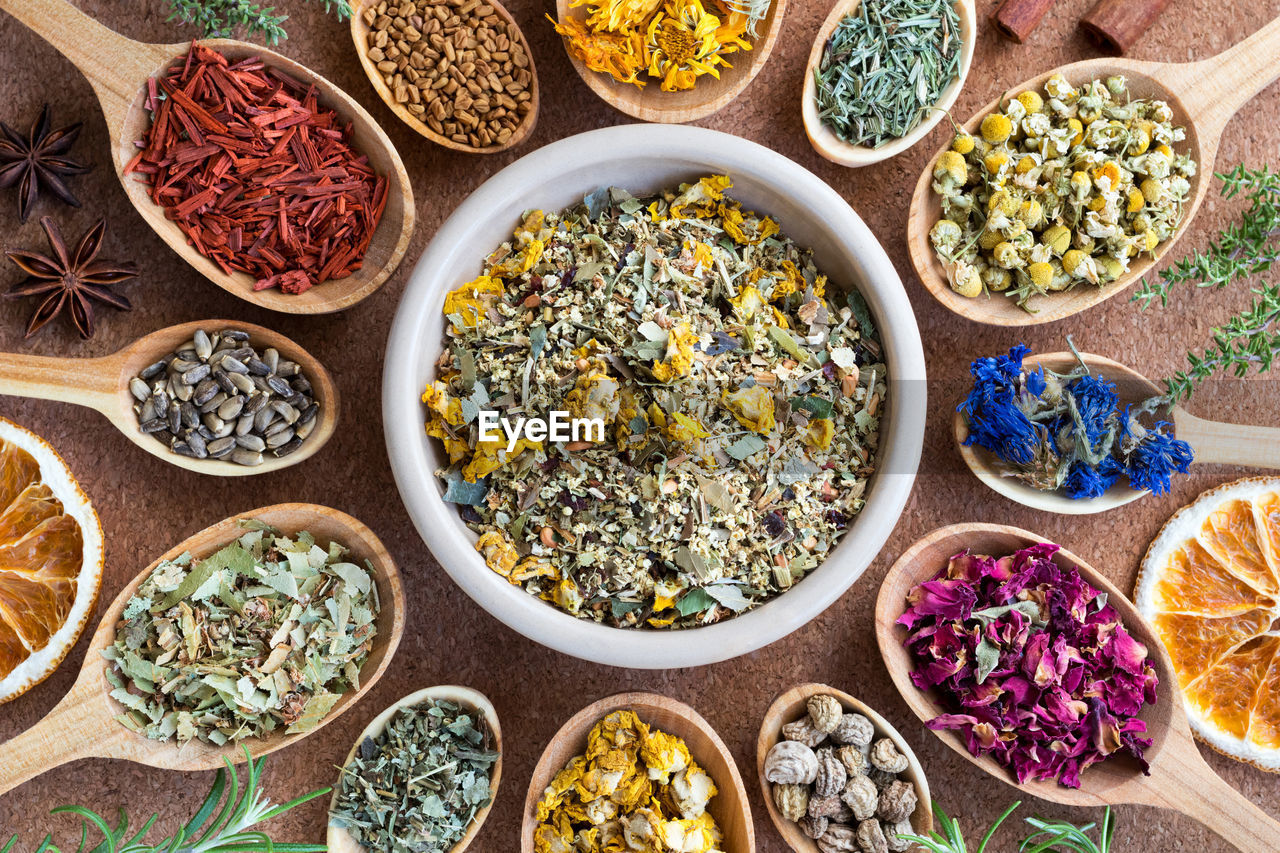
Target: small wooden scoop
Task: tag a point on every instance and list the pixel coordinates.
(339, 840)
(360, 35)
(82, 725)
(1211, 442)
(707, 96)
(835, 149)
(1180, 779)
(729, 807)
(103, 384)
(1203, 95)
(118, 69)
(790, 706)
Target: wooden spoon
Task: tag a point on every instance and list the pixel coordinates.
(339, 840)
(1211, 441)
(729, 807)
(82, 725)
(103, 384)
(789, 707)
(1180, 779)
(1203, 95)
(118, 69)
(835, 149)
(708, 95)
(360, 35)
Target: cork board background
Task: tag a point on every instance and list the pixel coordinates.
(147, 505)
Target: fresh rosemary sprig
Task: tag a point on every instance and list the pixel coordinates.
(222, 18)
(1065, 837)
(216, 827)
(1243, 249)
(951, 840)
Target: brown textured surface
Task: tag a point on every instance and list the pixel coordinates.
(147, 505)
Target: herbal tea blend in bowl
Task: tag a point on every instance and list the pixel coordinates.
(1059, 190)
(737, 402)
(420, 779)
(265, 634)
(1030, 663)
(218, 397)
(646, 159)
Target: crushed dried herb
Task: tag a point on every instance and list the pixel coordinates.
(259, 176)
(266, 633)
(740, 401)
(37, 162)
(417, 786)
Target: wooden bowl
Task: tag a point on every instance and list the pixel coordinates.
(650, 103)
(339, 840)
(360, 37)
(789, 707)
(729, 807)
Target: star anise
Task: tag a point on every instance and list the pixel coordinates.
(69, 281)
(36, 162)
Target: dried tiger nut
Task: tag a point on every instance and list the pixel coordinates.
(831, 774)
(854, 760)
(813, 827)
(803, 731)
(838, 838)
(892, 839)
(881, 779)
(885, 756)
(829, 807)
(871, 837)
(790, 762)
(854, 729)
(897, 802)
(825, 712)
(792, 800)
(861, 796)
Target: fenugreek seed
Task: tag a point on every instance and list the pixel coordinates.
(248, 458)
(251, 442)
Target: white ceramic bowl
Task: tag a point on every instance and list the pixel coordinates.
(646, 158)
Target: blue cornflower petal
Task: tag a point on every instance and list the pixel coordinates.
(1096, 401)
(1155, 457)
(996, 421)
(1086, 482)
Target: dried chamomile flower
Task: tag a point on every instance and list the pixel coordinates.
(839, 838)
(897, 802)
(871, 837)
(885, 756)
(854, 759)
(829, 807)
(861, 796)
(831, 774)
(790, 762)
(803, 731)
(853, 729)
(825, 712)
(792, 800)
(813, 827)
(892, 836)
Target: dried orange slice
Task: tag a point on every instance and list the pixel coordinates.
(50, 560)
(1210, 587)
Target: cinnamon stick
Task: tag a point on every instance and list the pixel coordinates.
(1015, 19)
(1117, 24)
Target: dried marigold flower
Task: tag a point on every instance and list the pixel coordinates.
(871, 837)
(861, 796)
(790, 762)
(813, 827)
(897, 802)
(792, 800)
(803, 731)
(825, 712)
(885, 756)
(831, 775)
(839, 838)
(854, 729)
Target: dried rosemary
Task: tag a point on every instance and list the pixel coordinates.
(885, 66)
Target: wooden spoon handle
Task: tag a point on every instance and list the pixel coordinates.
(1200, 794)
(71, 730)
(1214, 89)
(1228, 444)
(88, 382)
(116, 66)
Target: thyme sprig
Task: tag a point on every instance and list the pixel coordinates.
(223, 823)
(223, 18)
(1248, 341)
(1245, 248)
